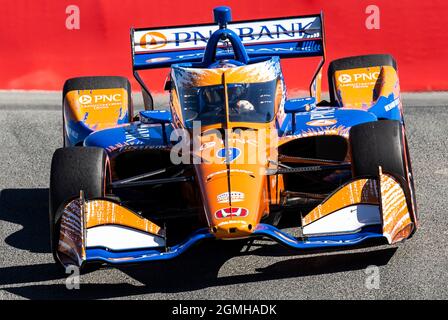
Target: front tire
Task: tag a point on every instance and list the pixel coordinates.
(378, 143)
(74, 169)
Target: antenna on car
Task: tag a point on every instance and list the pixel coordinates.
(223, 15)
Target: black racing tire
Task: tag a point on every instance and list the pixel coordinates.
(365, 61)
(98, 82)
(378, 143)
(74, 169)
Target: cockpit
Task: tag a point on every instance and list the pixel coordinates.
(248, 92)
(247, 102)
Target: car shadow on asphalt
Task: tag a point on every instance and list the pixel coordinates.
(28, 208)
(199, 268)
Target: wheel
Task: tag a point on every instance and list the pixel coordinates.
(378, 143)
(371, 60)
(74, 169)
(383, 143)
(95, 83)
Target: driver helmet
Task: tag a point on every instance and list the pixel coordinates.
(245, 106)
(223, 64)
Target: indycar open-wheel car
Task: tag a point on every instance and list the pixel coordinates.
(232, 153)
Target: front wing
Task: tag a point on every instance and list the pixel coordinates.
(101, 230)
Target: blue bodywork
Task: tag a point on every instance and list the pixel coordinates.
(262, 230)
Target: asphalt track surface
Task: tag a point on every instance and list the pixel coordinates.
(30, 130)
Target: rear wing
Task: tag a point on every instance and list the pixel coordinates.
(292, 37)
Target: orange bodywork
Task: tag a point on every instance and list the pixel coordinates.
(360, 88)
(245, 177)
(236, 194)
(101, 212)
(385, 192)
(97, 109)
(358, 191)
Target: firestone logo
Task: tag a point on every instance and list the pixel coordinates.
(153, 40)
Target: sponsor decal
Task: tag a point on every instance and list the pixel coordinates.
(153, 40)
(364, 76)
(226, 222)
(100, 98)
(310, 46)
(290, 29)
(234, 196)
(231, 212)
(160, 59)
(85, 99)
(322, 116)
(345, 78)
(207, 145)
(392, 105)
(228, 154)
(230, 171)
(134, 135)
(322, 122)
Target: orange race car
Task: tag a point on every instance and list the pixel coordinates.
(232, 155)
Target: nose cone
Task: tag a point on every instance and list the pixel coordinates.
(233, 192)
(236, 213)
(233, 184)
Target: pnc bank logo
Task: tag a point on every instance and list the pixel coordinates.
(153, 40)
(363, 76)
(99, 98)
(344, 78)
(85, 99)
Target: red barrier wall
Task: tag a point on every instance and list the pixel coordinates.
(39, 52)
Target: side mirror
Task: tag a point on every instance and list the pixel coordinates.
(155, 116)
(300, 105)
(162, 117)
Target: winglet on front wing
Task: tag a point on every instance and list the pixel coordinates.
(362, 209)
(102, 230)
(362, 203)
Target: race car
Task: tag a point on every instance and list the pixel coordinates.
(232, 157)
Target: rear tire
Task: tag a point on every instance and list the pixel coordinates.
(74, 169)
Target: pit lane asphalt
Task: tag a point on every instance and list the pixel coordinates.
(30, 130)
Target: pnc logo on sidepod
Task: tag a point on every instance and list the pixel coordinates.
(85, 99)
(364, 76)
(344, 78)
(153, 40)
(99, 98)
